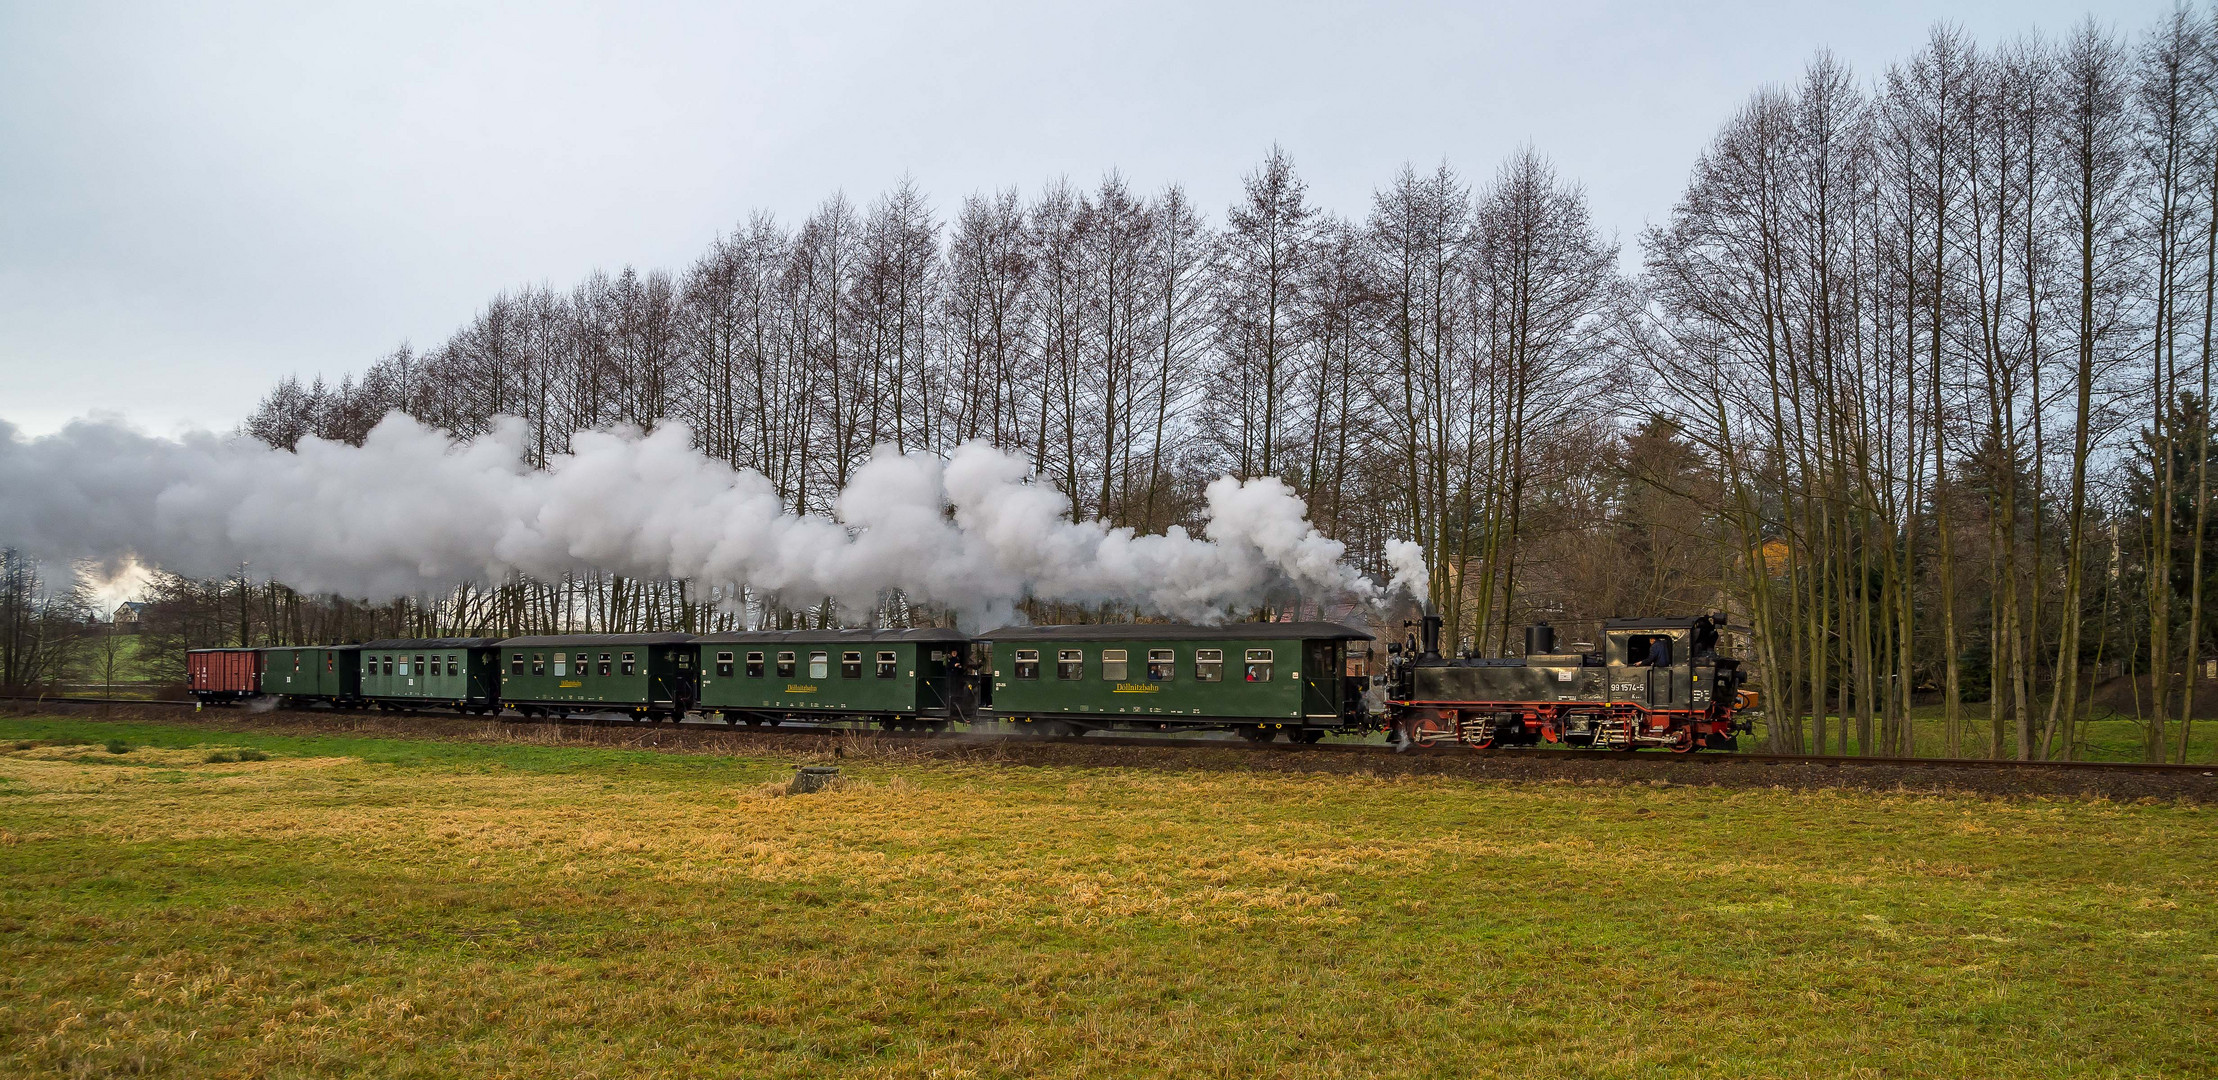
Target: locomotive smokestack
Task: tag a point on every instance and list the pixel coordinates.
(1431, 634)
(1540, 639)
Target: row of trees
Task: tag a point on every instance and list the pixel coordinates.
(1931, 334)
(1911, 380)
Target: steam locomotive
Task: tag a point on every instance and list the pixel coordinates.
(1653, 683)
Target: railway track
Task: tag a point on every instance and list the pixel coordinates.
(1707, 758)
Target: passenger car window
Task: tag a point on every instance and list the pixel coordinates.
(1259, 665)
(785, 665)
(820, 665)
(887, 663)
(754, 665)
(850, 665)
(388, 665)
(1209, 665)
(1070, 664)
(631, 664)
(723, 665)
(516, 664)
(562, 666)
(1162, 665)
(1113, 665)
(539, 663)
(1028, 663)
(604, 664)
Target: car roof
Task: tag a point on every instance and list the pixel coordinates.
(773, 637)
(600, 639)
(1239, 631)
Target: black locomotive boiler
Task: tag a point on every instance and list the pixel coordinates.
(1653, 683)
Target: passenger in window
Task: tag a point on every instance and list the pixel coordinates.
(1028, 663)
(887, 664)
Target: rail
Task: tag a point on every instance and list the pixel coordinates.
(1706, 758)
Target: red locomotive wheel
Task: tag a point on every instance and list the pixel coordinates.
(1682, 741)
(1428, 731)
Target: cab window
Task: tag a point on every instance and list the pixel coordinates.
(1648, 650)
(785, 665)
(723, 665)
(850, 665)
(887, 665)
(1162, 665)
(1113, 665)
(1070, 665)
(1259, 665)
(754, 665)
(820, 665)
(1209, 665)
(1028, 663)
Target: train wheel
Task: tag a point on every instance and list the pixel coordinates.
(1428, 731)
(1257, 733)
(1309, 736)
(1682, 741)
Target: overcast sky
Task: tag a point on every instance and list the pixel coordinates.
(198, 199)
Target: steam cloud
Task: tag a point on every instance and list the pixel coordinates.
(411, 512)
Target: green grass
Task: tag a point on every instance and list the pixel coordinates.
(2109, 738)
(450, 908)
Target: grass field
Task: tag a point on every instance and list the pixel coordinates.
(2109, 738)
(449, 908)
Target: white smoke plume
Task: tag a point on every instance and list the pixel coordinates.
(412, 512)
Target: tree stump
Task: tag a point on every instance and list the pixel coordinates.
(812, 778)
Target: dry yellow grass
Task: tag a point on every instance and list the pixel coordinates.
(371, 906)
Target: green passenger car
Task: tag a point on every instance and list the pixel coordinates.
(643, 674)
(899, 677)
(1257, 678)
(407, 672)
(326, 673)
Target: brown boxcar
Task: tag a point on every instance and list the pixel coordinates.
(223, 674)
